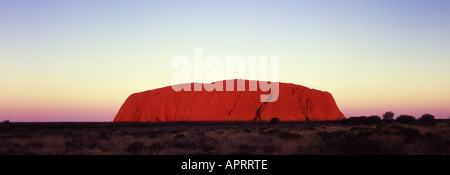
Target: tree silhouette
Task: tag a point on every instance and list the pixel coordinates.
(428, 120)
(405, 119)
(388, 115)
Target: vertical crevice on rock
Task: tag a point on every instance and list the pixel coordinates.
(259, 111)
(234, 105)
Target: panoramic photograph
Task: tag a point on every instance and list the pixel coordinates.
(253, 77)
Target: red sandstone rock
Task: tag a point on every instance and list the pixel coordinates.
(295, 103)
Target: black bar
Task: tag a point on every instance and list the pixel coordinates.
(138, 165)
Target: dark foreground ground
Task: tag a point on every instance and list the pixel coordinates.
(304, 138)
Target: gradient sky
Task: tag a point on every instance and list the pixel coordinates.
(78, 60)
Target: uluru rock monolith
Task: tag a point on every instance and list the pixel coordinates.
(294, 103)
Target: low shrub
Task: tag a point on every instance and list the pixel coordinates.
(274, 120)
(388, 116)
(138, 148)
(428, 120)
(405, 119)
(362, 120)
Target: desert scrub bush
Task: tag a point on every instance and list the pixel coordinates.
(23, 135)
(247, 130)
(207, 143)
(274, 120)
(203, 143)
(428, 120)
(361, 120)
(345, 142)
(289, 135)
(138, 148)
(358, 128)
(35, 145)
(281, 134)
(179, 136)
(269, 132)
(74, 144)
(174, 131)
(365, 133)
(200, 133)
(374, 119)
(6, 125)
(92, 146)
(410, 134)
(405, 119)
(124, 132)
(268, 149)
(6, 122)
(436, 145)
(154, 148)
(381, 129)
(102, 136)
(184, 143)
(149, 134)
(388, 116)
(309, 127)
(247, 149)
